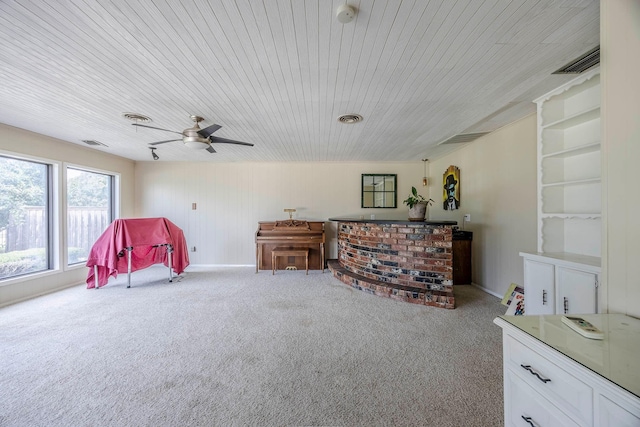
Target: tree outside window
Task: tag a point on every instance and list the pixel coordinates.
(24, 217)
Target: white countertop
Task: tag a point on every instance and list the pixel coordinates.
(616, 357)
(568, 259)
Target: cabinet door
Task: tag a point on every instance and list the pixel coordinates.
(539, 287)
(576, 291)
(613, 415)
(461, 262)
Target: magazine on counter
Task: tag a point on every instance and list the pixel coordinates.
(516, 304)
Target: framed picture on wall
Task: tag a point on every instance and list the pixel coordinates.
(451, 188)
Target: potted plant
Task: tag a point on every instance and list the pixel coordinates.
(417, 205)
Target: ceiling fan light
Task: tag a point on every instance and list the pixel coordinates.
(196, 142)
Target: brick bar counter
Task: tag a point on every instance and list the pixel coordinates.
(404, 260)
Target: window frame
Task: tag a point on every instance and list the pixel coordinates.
(111, 211)
(58, 214)
(52, 208)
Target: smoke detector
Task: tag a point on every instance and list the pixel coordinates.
(345, 13)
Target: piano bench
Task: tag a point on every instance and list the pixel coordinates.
(279, 251)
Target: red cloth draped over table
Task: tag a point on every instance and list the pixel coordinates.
(142, 234)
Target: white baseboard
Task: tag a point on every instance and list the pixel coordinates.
(39, 294)
(489, 291)
(219, 265)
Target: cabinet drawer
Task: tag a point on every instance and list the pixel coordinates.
(526, 407)
(551, 381)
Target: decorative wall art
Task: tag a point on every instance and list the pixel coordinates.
(379, 190)
(451, 188)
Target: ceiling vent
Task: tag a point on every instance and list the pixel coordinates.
(135, 117)
(586, 61)
(463, 138)
(94, 142)
(350, 118)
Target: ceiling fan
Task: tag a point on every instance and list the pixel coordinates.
(197, 138)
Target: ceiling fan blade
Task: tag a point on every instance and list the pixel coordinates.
(162, 142)
(210, 149)
(153, 127)
(215, 139)
(206, 132)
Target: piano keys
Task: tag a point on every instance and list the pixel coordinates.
(290, 233)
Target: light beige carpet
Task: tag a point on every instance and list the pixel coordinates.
(226, 347)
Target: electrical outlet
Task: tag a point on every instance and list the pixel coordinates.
(467, 217)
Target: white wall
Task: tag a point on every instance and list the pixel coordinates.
(20, 142)
(620, 58)
(232, 197)
(498, 189)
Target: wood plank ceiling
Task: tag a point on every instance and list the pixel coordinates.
(278, 73)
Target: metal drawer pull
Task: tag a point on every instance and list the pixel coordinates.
(528, 368)
(528, 419)
(566, 305)
(544, 297)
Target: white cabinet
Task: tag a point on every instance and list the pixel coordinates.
(614, 415)
(527, 407)
(569, 168)
(540, 287)
(555, 377)
(576, 292)
(563, 276)
(560, 285)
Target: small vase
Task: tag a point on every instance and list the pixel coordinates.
(418, 212)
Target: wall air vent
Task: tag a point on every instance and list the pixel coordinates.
(94, 142)
(463, 138)
(586, 61)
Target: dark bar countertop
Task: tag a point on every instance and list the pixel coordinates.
(391, 221)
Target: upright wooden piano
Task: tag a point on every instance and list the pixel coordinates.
(292, 234)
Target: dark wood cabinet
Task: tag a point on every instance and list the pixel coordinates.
(462, 257)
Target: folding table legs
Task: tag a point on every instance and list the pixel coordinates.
(169, 255)
(129, 250)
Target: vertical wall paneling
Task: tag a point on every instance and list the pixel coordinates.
(498, 189)
(620, 41)
(233, 197)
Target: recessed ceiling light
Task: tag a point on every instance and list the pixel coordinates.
(350, 118)
(138, 118)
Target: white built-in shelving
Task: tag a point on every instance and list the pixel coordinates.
(569, 168)
(563, 276)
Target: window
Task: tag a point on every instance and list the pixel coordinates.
(378, 191)
(90, 210)
(25, 217)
